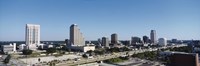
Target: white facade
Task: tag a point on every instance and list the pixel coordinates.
(83, 48)
(14, 47)
(9, 48)
(22, 47)
(32, 36)
(76, 37)
(88, 48)
(162, 42)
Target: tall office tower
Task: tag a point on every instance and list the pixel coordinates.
(76, 37)
(153, 36)
(105, 41)
(145, 39)
(114, 38)
(32, 36)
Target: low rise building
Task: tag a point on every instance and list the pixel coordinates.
(9, 48)
(184, 59)
(83, 48)
(162, 42)
(22, 47)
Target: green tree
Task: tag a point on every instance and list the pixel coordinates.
(90, 52)
(99, 52)
(7, 59)
(51, 50)
(115, 49)
(113, 60)
(182, 49)
(125, 49)
(84, 56)
(27, 52)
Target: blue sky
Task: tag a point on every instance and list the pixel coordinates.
(97, 18)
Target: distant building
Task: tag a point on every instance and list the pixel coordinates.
(76, 37)
(14, 47)
(32, 36)
(174, 40)
(135, 40)
(22, 47)
(153, 36)
(114, 38)
(105, 42)
(184, 59)
(9, 48)
(87, 42)
(67, 42)
(126, 42)
(46, 46)
(77, 41)
(83, 48)
(41, 46)
(99, 41)
(145, 39)
(162, 41)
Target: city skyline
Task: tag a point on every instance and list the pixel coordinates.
(170, 19)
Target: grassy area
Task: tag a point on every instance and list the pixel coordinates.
(116, 60)
(113, 60)
(57, 55)
(36, 54)
(146, 55)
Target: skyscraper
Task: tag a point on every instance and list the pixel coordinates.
(114, 38)
(145, 39)
(105, 42)
(153, 36)
(76, 37)
(32, 36)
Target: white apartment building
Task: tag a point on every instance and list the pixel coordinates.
(32, 36)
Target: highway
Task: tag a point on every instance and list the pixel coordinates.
(108, 56)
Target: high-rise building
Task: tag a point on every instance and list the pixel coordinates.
(153, 36)
(76, 37)
(32, 36)
(105, 41)
(114, 38)
(145, 39)
(162, 41)
(135, 40)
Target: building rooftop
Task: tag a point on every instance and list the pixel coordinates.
(33, 25)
